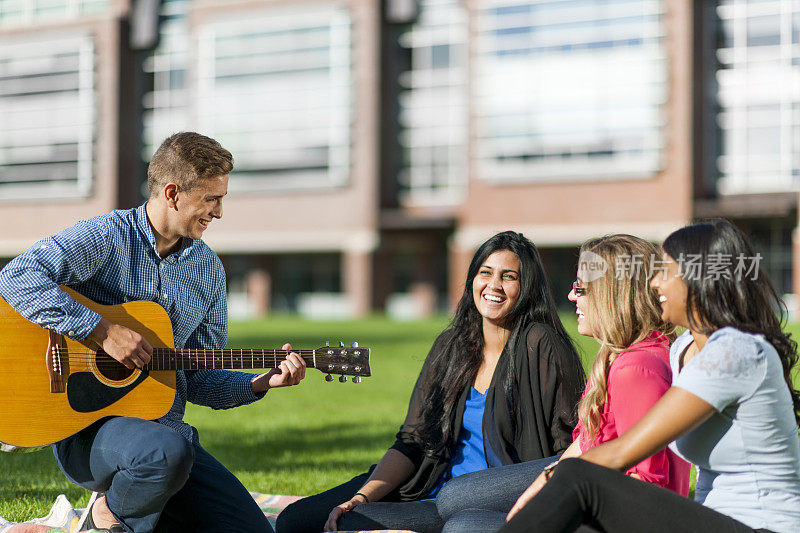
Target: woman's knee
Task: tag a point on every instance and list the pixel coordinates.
(445, 498)
(298, 517)
(574, 468)
(474, 521)
(449, 500)
(311, 513)
(493, 488)
(286, 518)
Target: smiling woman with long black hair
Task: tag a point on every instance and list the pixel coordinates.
(499, 386)
(629, 374)
(732, 410)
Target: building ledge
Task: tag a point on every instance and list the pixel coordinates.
(401, 219)
(747, 205)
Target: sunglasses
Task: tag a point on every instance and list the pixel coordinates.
(577, 289)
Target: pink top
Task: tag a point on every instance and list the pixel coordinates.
(638, 377)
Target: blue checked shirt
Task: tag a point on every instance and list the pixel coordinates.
(112, 259)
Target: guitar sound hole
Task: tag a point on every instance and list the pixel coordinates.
(111, 368)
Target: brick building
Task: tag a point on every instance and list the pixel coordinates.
(377, 143)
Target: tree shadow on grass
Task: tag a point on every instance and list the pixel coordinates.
(399, 347)
(320, 446)
(30, 483)
(47, 495)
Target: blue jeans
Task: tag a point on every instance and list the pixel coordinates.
(309, 514)
(155, 480)
(480, 501)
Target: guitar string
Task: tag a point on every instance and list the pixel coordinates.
(106, 359)
(87, 355)
(109, 365)
(185, 359)
(201, 351)
(116, 366)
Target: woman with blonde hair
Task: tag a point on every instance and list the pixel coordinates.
(631, 371)
(732, 410)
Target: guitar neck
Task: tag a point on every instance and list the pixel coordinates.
(228, 359)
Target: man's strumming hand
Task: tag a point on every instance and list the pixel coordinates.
(123, 344)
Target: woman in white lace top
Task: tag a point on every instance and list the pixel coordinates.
(732, 409)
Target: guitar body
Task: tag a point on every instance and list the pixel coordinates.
(51, 387)
(94, 387)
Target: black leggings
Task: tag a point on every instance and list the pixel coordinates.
(584, 493)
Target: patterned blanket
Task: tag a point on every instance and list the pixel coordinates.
(63, 518)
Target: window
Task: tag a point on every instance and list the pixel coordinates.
(275, 89)
(569, 89)
(47, 109)
(17, 12)
(166, 109)
(759, 93)
(433, 105)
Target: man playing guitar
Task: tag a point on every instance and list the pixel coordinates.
(154, 474)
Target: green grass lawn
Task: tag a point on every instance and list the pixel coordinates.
(298, 440)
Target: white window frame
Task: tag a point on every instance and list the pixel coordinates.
(27, 52)
(434, 108)
(339, 87)
(168, 109)
(26, 12)
(753, 77)
(551, 165)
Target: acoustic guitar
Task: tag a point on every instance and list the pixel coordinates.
(51, 386)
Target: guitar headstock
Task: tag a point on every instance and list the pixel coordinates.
(344, 360)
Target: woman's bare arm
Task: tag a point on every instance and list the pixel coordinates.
(391, 471)
(674, 415)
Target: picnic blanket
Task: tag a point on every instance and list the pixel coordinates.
(63, 518)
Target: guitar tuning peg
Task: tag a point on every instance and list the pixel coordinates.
(328, 378)
(356, 379)
(341, 344)
(354, 344)
(342, 379)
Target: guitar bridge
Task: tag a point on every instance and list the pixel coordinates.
(57, 366)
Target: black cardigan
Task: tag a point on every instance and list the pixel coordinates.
(550, 380)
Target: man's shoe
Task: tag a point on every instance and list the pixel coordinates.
(87, 524)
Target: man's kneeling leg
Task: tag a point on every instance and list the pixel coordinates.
(212, 499)
(139, 465)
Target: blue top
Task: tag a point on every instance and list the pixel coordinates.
(469, 455)
(112, 259)
(747, 453)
